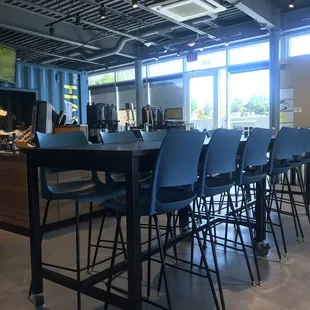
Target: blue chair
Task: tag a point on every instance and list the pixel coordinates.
(92, 191)
(250, 172)
(157, 135)
(171, 190)
(117, 138)
(215, 178)
(210, 133)
(282, 159)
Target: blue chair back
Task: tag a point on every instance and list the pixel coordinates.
(70, 139)
(300, 142)
(177, 162)
(283, 147)
(220, 156)
(307, 143)
(158, 135)
(255, 151)
(118, 137)
(210, 133)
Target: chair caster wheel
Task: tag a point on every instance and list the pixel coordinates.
(260, 283)
(253, 283)
(286, 255)
(280, 261)
(297, 239)
(93, 269)
(303, 240)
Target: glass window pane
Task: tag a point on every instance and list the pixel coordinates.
(103, 95)
(299, 45)
(222, 98)
(126, 93)
(161, 93)
(125, 75)
(201, 91)
(167, 67)
(206, 61)
(249, 99)
(102, 78)
(249, 53)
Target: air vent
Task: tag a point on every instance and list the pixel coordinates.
(188, 9)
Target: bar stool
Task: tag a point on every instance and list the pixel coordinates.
(171, 190)
(250, 172)
(280, 163)
(92, 191)
(215, 178)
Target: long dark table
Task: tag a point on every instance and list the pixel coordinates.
(126, 158)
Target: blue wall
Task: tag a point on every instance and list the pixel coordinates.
(49, 83)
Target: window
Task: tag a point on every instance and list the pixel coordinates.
(126, 94)
(125, 75)
(164, 68)
(249, 53)
(299, 45)
(167, 93)
(102, 79)
(105, 94)
(206, 61)
(249, 99)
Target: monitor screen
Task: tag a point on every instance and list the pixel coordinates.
(174, 114)
(7, 64)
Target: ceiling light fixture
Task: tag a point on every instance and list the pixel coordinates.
(201, 49)
(178, 54)
(51, 30)
(291, 4)
(148, 44)
(165, 51)
(77, 20)
(226, 43)
(191, 44)
(102, 11)
(134, 3)
(156, 57)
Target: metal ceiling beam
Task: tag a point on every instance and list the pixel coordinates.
(25, 21)
(259, 10)
(294, 19)
(83, 21)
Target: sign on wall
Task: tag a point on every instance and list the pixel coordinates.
(71, 99)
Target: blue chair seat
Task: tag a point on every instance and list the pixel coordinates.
(306, 160)
(168, 199)
(278, 168)
(296, 163)
(215, 185)
(249, 176)
(85, 191)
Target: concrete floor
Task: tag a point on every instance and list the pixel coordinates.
(285, 285)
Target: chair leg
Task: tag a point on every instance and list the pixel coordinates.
(241, 238)
(164, 250)
(195, 230)
(226, 228)
(78, 267)
(149, 262)
(294, 210)
(217, 270)
(89, 234)
(274, 194)
(251, 236)
(98, 241)
(270, 223)
(123, 242)
(303, 192)
(47, 205)
(174, 221)
(118, 224)
(162, 258)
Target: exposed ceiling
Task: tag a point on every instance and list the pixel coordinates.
(49, 31)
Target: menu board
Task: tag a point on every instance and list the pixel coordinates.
(7, 64)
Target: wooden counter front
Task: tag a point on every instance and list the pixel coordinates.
(14, 197)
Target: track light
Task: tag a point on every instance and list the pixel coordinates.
(191, 44)
(77, 20)
(148, 44)
(102, 12)
(226, 43)
(134, 3)
(51, 30)
(165, 51)
(201, 49)
(291, 4)
(178, 54)
(156, 57)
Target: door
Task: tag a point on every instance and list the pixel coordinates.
(203, 99)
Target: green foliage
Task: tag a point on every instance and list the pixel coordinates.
(194, 105)
(102, 79)
(237, 106)
(258, 104)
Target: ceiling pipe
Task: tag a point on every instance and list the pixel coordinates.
(149, 31)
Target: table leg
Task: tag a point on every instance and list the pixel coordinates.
(133, 235)
(307, 177)
(35, 235)
(260, 213)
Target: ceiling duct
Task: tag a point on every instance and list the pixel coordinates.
(188, 9)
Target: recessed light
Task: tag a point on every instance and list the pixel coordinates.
(191, 44)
